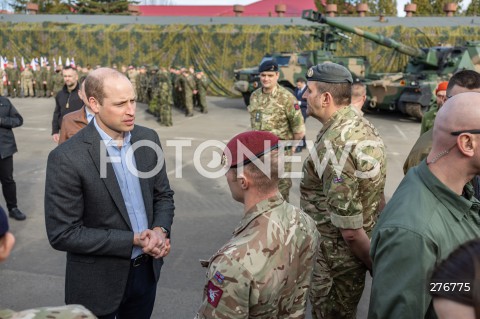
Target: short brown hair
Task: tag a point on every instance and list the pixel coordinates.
(95, 82)
(341, 92)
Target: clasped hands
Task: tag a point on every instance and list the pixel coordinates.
(153, 242)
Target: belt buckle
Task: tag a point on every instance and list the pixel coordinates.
(137, 261)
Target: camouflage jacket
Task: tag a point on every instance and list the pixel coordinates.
(62, 312)
(27, 74)
(264, 271)
(276, 112)
(419, 151)
(13, 74)
(344, 177)
(202, 84)
(428, 119)
(190, 84)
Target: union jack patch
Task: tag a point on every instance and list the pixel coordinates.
(219, 277)
(338, 180)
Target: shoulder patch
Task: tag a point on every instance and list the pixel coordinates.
(296, 106)
(213, 294)
(219, 277)
(338, 180)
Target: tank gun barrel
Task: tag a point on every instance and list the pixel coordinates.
(315, 16)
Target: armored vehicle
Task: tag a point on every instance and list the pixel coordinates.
(293, 65)
(410, 91)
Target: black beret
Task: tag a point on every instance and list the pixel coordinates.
(330, 73)
(270, 65)
(3, 222)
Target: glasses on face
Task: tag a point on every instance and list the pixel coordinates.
(456, 133)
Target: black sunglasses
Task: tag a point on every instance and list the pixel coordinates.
(456, 133)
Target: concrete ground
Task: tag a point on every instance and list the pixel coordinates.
(205, 212)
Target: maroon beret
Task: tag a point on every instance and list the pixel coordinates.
(3, 222)
(241, 147)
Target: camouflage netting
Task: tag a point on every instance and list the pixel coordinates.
(216, 49)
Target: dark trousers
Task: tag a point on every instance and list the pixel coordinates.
(9, 188)
(139, 297)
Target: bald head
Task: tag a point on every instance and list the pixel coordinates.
(95, 82)
(461, 112)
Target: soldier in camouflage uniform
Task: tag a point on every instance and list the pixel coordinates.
(58, 82)
(273, 108)
(189, 89)
(142, 84)
(264, 270)
(132, 74)
(27, 77)
(165, 98)
(202, 86)
(429, 117)
(342, 190)
(13, 80)
(7, 241)
(154, 92)
(179, 89)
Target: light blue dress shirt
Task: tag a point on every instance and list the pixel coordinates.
(128, 182)
(89, 115)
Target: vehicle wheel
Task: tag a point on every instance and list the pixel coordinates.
(246, 98)
(416, 110)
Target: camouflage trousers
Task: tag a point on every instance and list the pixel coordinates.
(153, 105)
(166, 115)
(284, 184)
(28, 88)
(189, 103)
(338, 281)
(202, 101)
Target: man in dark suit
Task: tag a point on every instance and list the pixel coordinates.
(109, 205)
(301, 88)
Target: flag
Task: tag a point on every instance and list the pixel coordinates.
(54, 64)
(60, 60)
(15, 62)
(72, 62)
(23, 63)
(67, 63)
(32, 64)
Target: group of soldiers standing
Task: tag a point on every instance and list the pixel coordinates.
(43, 81)
(161, 89)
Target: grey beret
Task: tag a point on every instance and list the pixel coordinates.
(269, 65)
(330, 73)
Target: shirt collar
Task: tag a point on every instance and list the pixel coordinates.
(458, 205)
(107, 139)
(259, 209)
(89, 115)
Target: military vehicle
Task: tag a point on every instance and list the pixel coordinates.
(411, 91)
(293, 65)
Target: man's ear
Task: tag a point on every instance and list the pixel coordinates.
(94, 105)
(467, 145)
(6, 245)
(243, 180)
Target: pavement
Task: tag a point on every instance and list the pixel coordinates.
(205, 214)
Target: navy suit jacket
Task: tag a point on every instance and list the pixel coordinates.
(85, 215)
(299, 95)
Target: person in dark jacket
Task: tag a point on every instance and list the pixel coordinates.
(300, 89)
(66, 101)
(9, 118)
